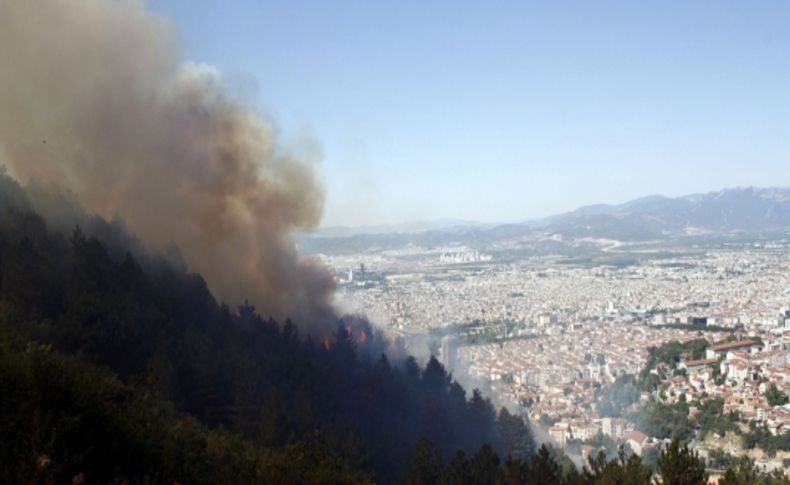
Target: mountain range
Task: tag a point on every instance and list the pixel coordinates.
(744, 210)
(747, 209)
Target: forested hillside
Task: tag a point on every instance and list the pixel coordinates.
(96, 329)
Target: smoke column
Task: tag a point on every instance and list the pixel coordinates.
(95, 101)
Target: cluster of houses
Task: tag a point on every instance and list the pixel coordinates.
(618, 429)
(740, 372)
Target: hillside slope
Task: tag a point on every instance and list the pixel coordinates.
(94, 293)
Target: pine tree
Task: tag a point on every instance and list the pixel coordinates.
(457, 471)
(515, 471)
(424, 466)
(517, 438)
(679, 466)
(742, 472)
(484, 466)
(544, 468)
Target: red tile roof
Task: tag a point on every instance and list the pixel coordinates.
(734, 345)
(636, 436)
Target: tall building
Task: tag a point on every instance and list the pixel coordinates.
(784, 317)
(697, 321)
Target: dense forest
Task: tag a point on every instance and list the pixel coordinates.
(112, 352)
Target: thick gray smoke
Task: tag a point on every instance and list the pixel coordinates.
(95, 101)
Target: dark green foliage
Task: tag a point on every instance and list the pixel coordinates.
(671, 352)
(719, 459)
(424, 466)
(712, 419)
(484, 467)
(515, 471)
(516, 437)
(666, 420)
(775, 397)
(94, 293)
(544, 468)
(760, 437)
(60, 417)
(677, 465)
(457, 471)
(649, 382)
(623, 470)
(744, 472)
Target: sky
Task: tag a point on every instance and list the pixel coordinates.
(503, 111)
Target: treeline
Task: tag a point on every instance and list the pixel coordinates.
(670, 353)
(676, 465)
(761, 437)
(83, 287)
(548, 466)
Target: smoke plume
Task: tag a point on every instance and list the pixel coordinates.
(95, 101)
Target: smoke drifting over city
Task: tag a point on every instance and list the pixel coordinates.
(170, 311)
(96, 103)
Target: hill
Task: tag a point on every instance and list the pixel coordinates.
(120, 364)
(747, 210)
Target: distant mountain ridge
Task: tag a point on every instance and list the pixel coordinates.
(735, 210)
(742, 209)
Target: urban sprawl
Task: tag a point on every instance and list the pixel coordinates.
(692, 344)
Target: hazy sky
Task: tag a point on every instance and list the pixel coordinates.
(502, 111)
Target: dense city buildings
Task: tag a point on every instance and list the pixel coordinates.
(549, 335)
